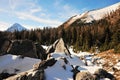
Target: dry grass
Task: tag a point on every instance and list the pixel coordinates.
(110, 59)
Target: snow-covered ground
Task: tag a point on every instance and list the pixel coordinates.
(88, 58)
(59, 71)
(76, 61)
(15, 64)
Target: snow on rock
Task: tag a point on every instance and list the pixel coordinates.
(91, 69)
(88, 58)
(45, 47)
(80, 53)
(16, 64)
(59, 71)
(73, 60)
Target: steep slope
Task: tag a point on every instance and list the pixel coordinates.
(89, 16)
(16, 27)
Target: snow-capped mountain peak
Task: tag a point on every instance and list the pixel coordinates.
(16, 27)
(91, 15)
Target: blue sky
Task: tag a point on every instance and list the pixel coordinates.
(42, 13)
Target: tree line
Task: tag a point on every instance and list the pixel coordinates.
(104, 34)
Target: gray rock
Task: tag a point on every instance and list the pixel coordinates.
(40, 51)
(27, 48)
(101, 73)
(84, 76)
(22, 47)
(4, 45)
(29, 75)
(58, 46)
(44, 64)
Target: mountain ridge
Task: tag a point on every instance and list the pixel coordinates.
(16, 27)
(92, 15)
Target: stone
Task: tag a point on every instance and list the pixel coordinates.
(27, 48)
(59, 46)
(84, 76)
(29, 75)
(40, 51)
(22, 47)
(101, 73)
(4, 45)
(44, 64)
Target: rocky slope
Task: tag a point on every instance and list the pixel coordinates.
(89, 16)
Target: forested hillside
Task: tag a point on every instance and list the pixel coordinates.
(104, 34)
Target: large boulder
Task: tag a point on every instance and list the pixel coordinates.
(52, 47)
(101, 73)
(44, 64)
(22, 47)
(58, 46)
(4, 45)
(26, 48)
(40, 51)
(84, 76)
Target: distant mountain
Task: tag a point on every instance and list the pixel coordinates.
(92, 15)
(16, 27)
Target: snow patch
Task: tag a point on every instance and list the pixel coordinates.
(14, 64)
(57, 72)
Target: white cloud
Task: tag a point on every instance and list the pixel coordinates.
(68, 11)
(3, 25)
(12, 4)
(37, 19)
(30, 11)
(30, 8)
(84, 9)
(29, 27)
(35, 10)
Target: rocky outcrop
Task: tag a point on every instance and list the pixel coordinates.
(37, 73)
(58, 46)
(22, 47)
(27, 48)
